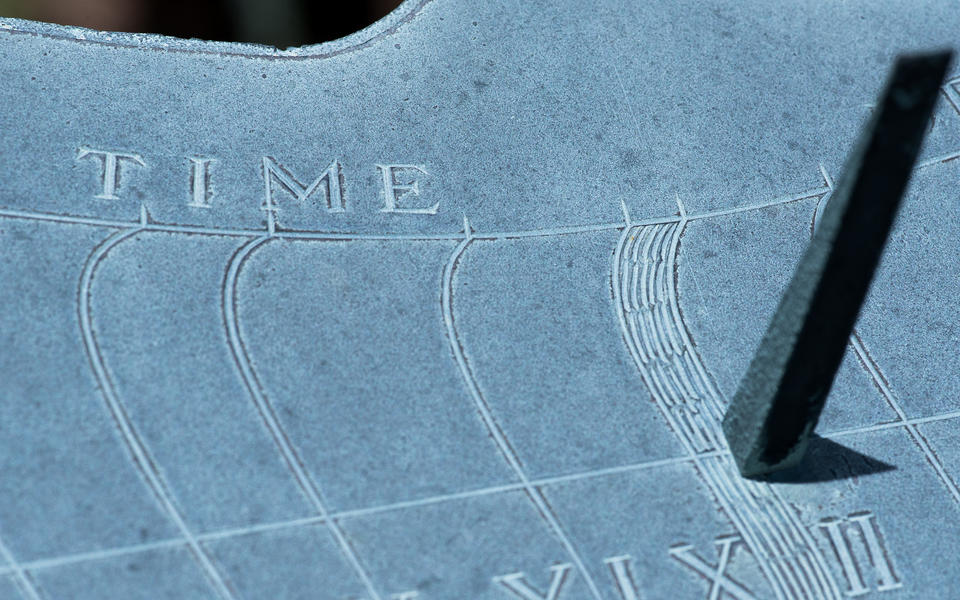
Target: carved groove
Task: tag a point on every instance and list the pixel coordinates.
(268, 415)
(493, 428)
(136, 447)
(646, 301)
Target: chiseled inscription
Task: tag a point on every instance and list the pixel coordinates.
(330, 182)
(517, 585)
(399, 184)
(622, 576)
(110, 163)
(842, 534)
(200, 192)
(714, 573)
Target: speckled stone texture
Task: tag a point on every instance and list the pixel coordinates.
(452, 309)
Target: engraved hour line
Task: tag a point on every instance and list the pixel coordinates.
(618, 300)
(222, 534)
(872, 368)
(757, 525)
(493, 428)
(19, 574)
(137, 448)
(268, 415)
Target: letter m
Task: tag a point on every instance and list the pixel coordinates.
(329, 182)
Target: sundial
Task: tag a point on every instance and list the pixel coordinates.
(453, 307)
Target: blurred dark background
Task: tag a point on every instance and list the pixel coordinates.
(280, 23)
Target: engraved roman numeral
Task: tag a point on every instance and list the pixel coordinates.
(200, 193)
(516, 584)
(110, 171)
(862, 525)
(623, 577)
(720, 582)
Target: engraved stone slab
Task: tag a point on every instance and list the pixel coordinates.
(452, 308)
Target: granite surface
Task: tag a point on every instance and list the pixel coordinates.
(451, 309)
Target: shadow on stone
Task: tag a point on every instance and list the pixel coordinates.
(826, 460)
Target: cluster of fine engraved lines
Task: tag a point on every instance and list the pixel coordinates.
(646, 301)
(269, 417)
(534, 493)
(137, 448)
(19, 571)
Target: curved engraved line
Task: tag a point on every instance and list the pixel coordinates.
(137, 448)
(493, 428)
(161, 43)
(347, 236)
(705, 470)
(21, 578)
(817, 573)
(241, 359)
(815, 570)
(800, 571)
(630, 343)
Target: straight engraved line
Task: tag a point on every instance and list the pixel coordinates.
(137, 448)
(20, 576)
(760, 205)
(57, 218)
(267, 413)
(874, 370)
(346, 236)
(48, 563)
(486, 414)
(82, 557)
(938, 159)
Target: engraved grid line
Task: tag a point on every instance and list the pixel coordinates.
(870, 365)
(873, 369)
(137, 448)
(18, 574)
(499, 437)
(223, 534)
(269, 417)
(71, 219)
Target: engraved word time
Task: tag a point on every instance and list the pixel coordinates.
(400, 183)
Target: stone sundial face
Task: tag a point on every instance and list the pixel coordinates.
(453, 308)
